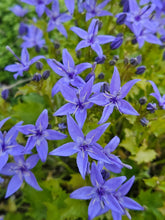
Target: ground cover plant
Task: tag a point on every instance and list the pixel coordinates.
(82, 110)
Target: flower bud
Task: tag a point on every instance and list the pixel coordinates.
(117, 42)
(105, 174)
(140, 70)
(78, 54)
(5, 94)
(39, 65)
(105, 87)
(133, 61)
(116, 57)
(100, 60)
(100, 24)
(37, 48)
(151, 107)
(87, 78)
(23, 29)
(46, 74)
(101, 76)
(121, 19)
(144, 122)
(37, 77)
(62, 126)
(126, 60)
(112, 62)
(56, 44)
(142, 100)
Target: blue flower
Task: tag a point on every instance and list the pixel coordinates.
(24, 63)
(8, 144)
(68, 70)
(161, 99)
(101, 193)
(33, 38)
(40, 5)
(82, 145)
(20, 170)
(113, 97)
(94, 10)
(56, 19)
(78, 102)
(91, 39)
(19, 11)
(38, 134)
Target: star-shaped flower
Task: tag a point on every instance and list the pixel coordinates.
(91, 38)
(94, 10)
(78, 102)
(38, 134)
(101, 194)
(161, 99)
(57, 18)
(24, 63)
(82, 145)
(20, 170)
(68, 70)
(33, 38)
(113, 97)
(40, 5)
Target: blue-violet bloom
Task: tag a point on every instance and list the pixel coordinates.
(19, 11)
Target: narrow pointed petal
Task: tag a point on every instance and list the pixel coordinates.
(104, 39)
(80, 32)
(115, 81)
(67, 149)
(31, 142)
(126, 88)
(62, 30)
(57, 67)
(51, 134)
(40, 8)
(81, 116)
(26, 129)
(89, 16)
(82, 44)
(131, 204)
(116, 215)
(67, 59)
(82, 161)
(103, 4)
(55, 6)
(32, 161)
(96, 177)
(25, 56)
(97, 48)
(70, 5)
(108, 109)
(126, 108)
(111, 146)
(42, 150)
(14, 184)
(99, 99)
(114, 183)
(133, 6)
(3, 159)
(86, 90)
(104, 13)
(31, 180)
(13, 67)
(93, 209)
(81, 67)
(82, 193)
(3, 121)
(74, 130)
(68, 108)
(57, 87)
(35, 59)
(69, 93)
(124, 189)
(8, 169)
(94, 135)
(93, 27)
(156, 90)
(42, 121)
(113, 204)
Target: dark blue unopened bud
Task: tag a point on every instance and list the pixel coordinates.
(116, 57)
(49, 126)
(140, 70)
(37, 77)
(125, 5)
(126, 60)
(134, 41)
(39, 65)
(100, 24)
(162, 38)
(62, 126)
(5, 94)
(101, 76)
(105, 87)
(121, 19)
(100, 60)
(151, 107)
(56, 44)
(142, 100)
(87, 78)
(78, 54)
(144, 122)
(37, 48)
(46, 74)
(105, 174)
(23, 29)
(112, 62)
(117, 42)
(133, 61)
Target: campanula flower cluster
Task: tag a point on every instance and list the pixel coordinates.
(81, 94)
